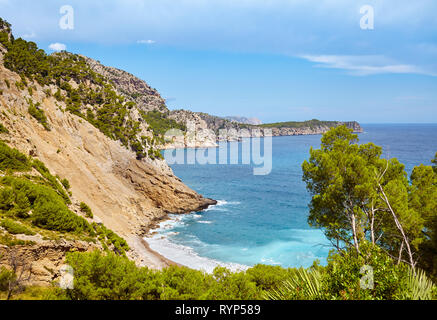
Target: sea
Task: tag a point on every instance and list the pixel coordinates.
(262, 219)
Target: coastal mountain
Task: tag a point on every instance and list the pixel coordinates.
(89, 142)
(80, 160)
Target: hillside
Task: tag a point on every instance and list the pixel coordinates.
(83, 128)
(93, 135)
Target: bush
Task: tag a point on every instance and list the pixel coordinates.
(6, 276)
(12, 159)
(3, 129)
(342, 276)
(38, 114)
(268, 277)
(86, 209)
(232, 286)
(110, 277)
(50, 180)
(108, 237)
(49, 209)
(15, 228)
(64, 181)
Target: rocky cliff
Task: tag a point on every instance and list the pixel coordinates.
(202, 129)
(62, 123)
(209, 128)
(100, 128)
(131, 87)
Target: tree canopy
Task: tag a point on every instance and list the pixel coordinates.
(359, 196)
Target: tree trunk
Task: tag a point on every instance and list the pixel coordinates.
(354, 232)
(399, 226)
(400, 252)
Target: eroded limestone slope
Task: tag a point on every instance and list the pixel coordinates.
(124, 193)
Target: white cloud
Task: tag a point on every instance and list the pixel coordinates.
(365, 65)
(146, 41)
(57, 46)
(29, 35)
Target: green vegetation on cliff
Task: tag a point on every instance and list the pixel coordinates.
(31, 204)
(36, 112)
(85, 93)
(301, 124)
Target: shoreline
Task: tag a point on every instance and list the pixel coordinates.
(164, 261)
(208, 146)
(154, 259)
(185, 256)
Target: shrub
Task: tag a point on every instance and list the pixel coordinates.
(15, 228)
(3, 129)
(64, 181)
(38, 114)
(110, 277)
(50, 180)
(12, 159)
(86, 209)
(232, 286)
(268, 277)
(342, 276)
(49, 209)
(108, 237)
(6, 276)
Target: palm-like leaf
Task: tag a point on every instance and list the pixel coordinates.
(419, 286)
(308, 283)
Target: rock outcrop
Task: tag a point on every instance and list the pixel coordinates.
(43, 260)
(124, 193)
(135, 89)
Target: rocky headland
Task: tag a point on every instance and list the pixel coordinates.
(101, 129)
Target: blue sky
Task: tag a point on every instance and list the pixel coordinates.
(276, 60)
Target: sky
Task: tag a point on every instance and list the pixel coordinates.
(276, 60)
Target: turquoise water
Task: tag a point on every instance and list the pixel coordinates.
(263, 219)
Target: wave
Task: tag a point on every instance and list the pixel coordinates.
(222, 203)
(186, 256)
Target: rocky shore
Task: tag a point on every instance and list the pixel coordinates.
(126, 183)
(205, 131)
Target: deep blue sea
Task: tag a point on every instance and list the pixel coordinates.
(263, 219)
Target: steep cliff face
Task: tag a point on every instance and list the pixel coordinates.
(125, 193)
(133, 88)
(203, 122)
